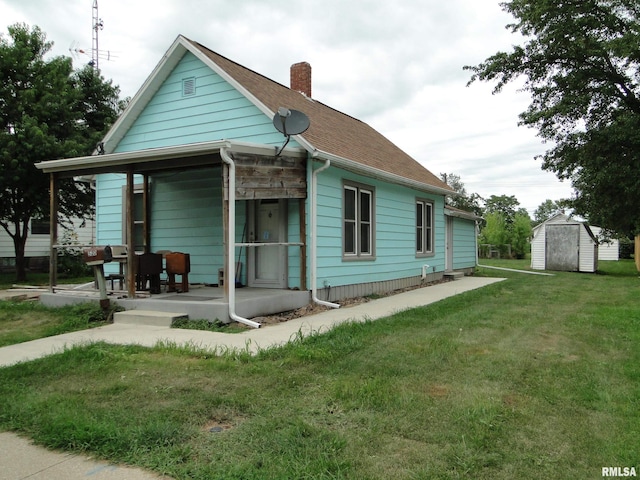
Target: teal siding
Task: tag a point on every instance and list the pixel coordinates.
(189, 220)
(216, 112)
(186, 206)
(109, 212)
(186, 216)
(293, 236)
(464, 243)
(395, 233)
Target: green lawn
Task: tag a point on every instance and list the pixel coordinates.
(534, 377)
(8, 280)
(25, 321)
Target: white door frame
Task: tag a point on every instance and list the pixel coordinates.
(276, 278)
(448, 262)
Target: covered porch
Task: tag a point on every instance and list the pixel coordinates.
(249, 173)
(201, 302)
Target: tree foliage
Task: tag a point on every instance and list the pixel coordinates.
(495, 229)
(47, 111)
(506, 224)
(546, 210)
(505, 204)
(581, 64)
(464, 200)
(520, 234)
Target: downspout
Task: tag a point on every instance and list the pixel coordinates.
(231, 243)
(314, 231)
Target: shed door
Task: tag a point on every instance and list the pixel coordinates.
(562, 247)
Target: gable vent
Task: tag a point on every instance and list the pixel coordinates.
(188, 86)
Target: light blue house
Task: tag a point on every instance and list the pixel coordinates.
(196, 165)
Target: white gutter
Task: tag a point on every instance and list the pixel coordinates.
(230, 275)
(380, 174)
(314, 232)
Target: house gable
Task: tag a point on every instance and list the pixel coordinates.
(195, 104)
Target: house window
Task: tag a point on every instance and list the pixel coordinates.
(424, 227)
(358, 222)
(40, 226)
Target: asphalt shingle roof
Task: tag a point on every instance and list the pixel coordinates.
(331, 131)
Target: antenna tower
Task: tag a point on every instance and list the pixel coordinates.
(97, 26)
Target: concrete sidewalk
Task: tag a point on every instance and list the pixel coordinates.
(21, 460)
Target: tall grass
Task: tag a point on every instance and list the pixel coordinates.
(534, 377)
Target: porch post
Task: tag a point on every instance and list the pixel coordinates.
(53, 231)
(303, 248)
(225, 228)
(131, 254)
(146, 234)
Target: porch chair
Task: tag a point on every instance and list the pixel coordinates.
(118, 254)
(149, 268)
(178, 264)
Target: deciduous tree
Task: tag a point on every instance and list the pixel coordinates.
(464, 200)
(504, 204)
(47, 111)
(580, 61)
(546, 210)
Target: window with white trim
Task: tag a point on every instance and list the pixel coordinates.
(358, 221)
(424, 227)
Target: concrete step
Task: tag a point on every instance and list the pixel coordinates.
(147, 317)
(454, 275)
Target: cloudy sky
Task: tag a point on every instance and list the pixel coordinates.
(395, 65)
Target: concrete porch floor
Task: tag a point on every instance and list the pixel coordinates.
(200, 302)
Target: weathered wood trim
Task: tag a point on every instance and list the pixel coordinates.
(259, 177)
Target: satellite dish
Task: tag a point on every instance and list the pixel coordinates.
(290, 122)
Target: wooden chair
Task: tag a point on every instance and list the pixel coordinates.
(149, 268)
(178, 264)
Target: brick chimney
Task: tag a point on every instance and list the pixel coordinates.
(301, 78)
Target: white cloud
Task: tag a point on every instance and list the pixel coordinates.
(395, 65)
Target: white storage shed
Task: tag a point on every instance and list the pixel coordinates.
(607, 250)
(564, 244)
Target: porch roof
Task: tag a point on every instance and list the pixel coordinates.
(154, 159)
